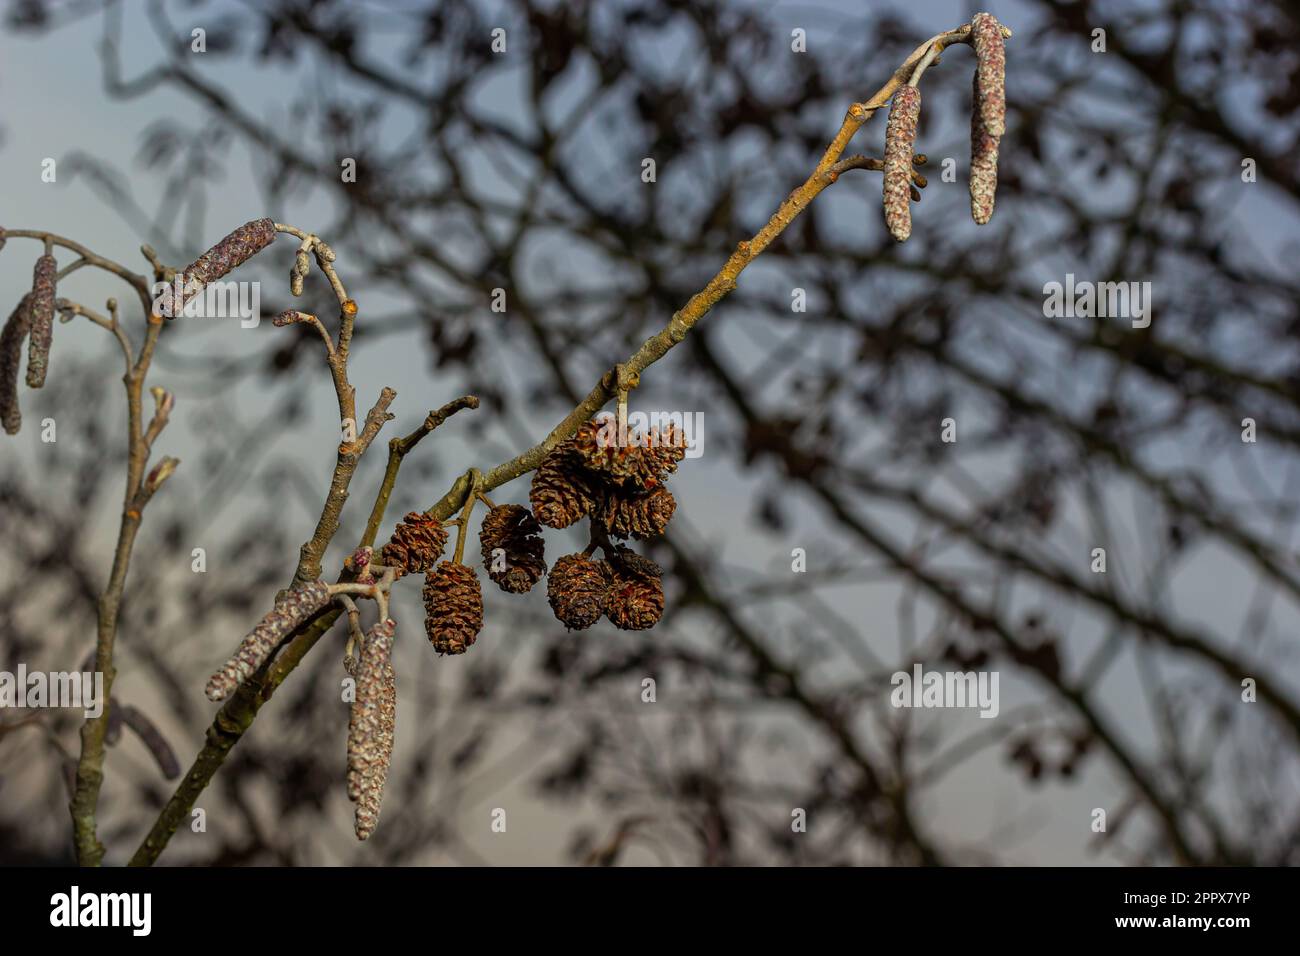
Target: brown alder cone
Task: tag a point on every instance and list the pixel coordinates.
(644, 460)
(453, 606)
(562, 491)
(635, 600)
(637, 515)
(517, 533)
(11, 356)
(983, 169)
(290, 611)
(416, 544)
(661, 451)
(41, 331)
(900, 135)
(232, 251)
(990, 73)
(576, 590)
(372, 722)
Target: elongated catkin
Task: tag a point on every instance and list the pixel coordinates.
(41, 304)
(11, 357)
(990, 73)
(900, 135)
(983, 168)
(232, 251)
(371, 726)
(296, 606)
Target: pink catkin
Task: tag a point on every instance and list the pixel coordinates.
(232, 251)
(11, 356)
(983, 169)
(900, 135)
(990, 73)
(41, 304)
(296, 606)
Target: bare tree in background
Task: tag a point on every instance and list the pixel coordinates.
(1073, 433)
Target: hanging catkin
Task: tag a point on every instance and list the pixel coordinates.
(371, 725)
(990, 73)
(42, 320)
(900, 135)
(232, 251)
(11, 356)
(296, 606)
(983, 168)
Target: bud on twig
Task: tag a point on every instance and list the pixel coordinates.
(42, 320)
(163, 400)
(11, 348)
(232, 251)
(900, 134)
(160, 473)
(296, 606)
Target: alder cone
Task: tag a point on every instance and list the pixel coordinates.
(562, 491)
(516, 532)
(664, 450)
(635, 599)
(576, 589)
(416, 544)
(453, 606)
(11, 356)
(644, 460)
(639, 516)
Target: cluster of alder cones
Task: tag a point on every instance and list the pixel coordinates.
(618, 485)
(987, 124)
(616, 481)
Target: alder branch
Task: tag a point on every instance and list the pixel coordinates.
(237, 715)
